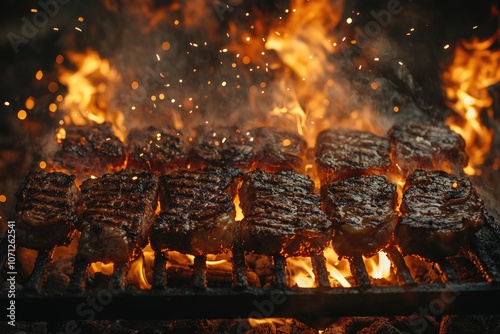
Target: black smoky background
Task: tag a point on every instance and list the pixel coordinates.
(130, 35)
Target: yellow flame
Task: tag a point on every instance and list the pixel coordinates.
(475, 67)
(338, 269)
(378, 266)
(104, 268)
(300, 271)
(91, 89)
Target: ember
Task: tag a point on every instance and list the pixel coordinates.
(235, 159)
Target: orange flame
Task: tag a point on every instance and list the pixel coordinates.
(90, 90)
(475, 67)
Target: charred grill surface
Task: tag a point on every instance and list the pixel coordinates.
(277, 149)
(342, 153)
(197, 211)
(220, 147)
(440, 212)
(46, 210)
(90, 150)
(154, 149)
(282, 214)
(420, 145)
(116, 215)
(363, 212)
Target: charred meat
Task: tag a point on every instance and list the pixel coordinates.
(90, 150)
(439, 213)
(46, 210)
(116, 214)
(282, 214)
(156, 150)
(363, 212)
(342, 153)
(277, 149)
(197, 211)
(429, 146)
(221, 147)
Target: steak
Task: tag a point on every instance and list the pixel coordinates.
(271, 149)
(429, 146)
(341, 153)
(439, 213)
(277, 149)
(221, 147)
(46, 210)
(90, 150)
(116, 214)
(363, 212)
(197, 211)
(282, 214)
(156, 150)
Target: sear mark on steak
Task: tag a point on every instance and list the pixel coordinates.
(116, 214)
(46, 210)
(90, 150)
(429, 146)
(342, 153)
(363, 212)
(154, 149)
(197, 211)
(439, 213)
(221, 147)
(282, 214)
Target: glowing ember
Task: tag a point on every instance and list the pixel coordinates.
(475, 67)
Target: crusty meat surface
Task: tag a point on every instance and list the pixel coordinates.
(342, 153)
(429, 146)
(439, 213)
(116, 214)
(363, 212)
(90, 150)
(282, 214)
(221, 147)
(154, 149)
(197, 211)
(278, 149)
(46, 210)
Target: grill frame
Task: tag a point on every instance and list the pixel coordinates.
(310, 305)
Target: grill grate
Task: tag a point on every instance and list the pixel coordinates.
(310, 305)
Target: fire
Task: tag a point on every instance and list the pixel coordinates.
(378, 266)
(475, 67)
(90, 92)
(300, 272)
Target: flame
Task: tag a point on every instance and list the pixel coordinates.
(338, 269)
(378, 266)
(271, 321)
(90, 91)
(300, 272)
(475, 67)
(100, 267)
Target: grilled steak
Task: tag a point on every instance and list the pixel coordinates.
(363, 212)
(154, 149)
(429, 146)
(221, 147)
(439, 213)
(46, 210)
(116, 214)
(342, 153)
(197, 211)
(277, 149)
(90, 150)
(282, 214)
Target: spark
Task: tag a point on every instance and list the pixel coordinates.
(446, 46)
(349, 20)
(77, 28)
